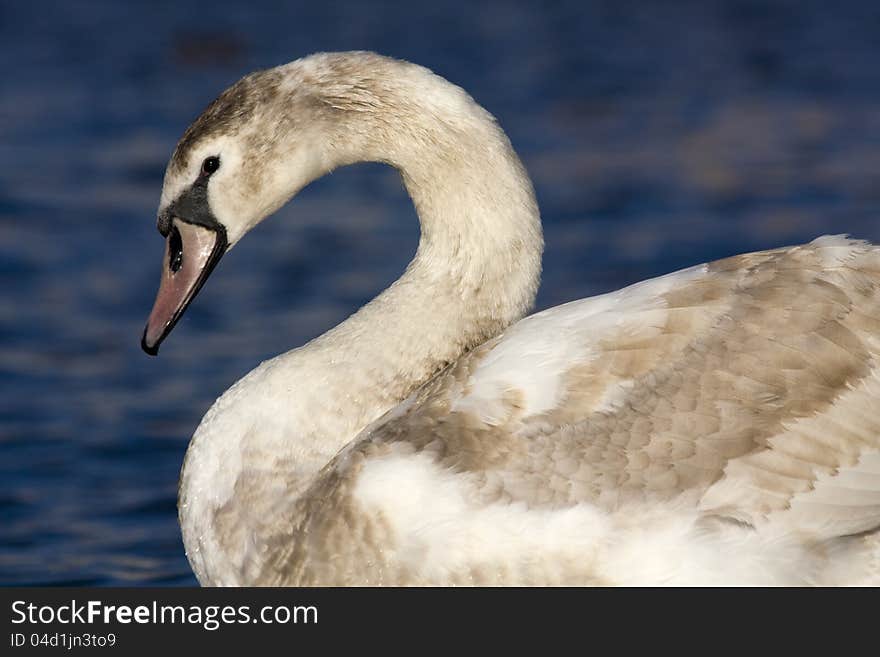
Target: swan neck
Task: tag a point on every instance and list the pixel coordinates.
(477, 266)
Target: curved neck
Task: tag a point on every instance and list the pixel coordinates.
(477, 266)
(476, 270)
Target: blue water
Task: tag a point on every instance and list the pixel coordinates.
(658, 135)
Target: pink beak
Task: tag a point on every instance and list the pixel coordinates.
(191, 252)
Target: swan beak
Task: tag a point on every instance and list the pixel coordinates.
(191, 253)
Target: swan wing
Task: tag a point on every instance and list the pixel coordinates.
(751, 384)
(627, 438)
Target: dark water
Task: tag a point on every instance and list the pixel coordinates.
(659, 135)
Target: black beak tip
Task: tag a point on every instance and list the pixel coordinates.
(150, 350)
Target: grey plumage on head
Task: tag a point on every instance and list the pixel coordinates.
(229, 112)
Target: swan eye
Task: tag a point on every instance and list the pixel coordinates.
(210, 165)
(175, 250)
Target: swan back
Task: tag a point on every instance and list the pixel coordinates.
(707, 427)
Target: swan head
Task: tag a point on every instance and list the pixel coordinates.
(274, 131)
(246, 155)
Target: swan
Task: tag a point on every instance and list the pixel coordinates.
(717, 425)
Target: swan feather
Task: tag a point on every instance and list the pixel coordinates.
(731, 400)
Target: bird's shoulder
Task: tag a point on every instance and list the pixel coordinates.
(747, 382)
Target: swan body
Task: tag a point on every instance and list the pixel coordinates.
(713, 426)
